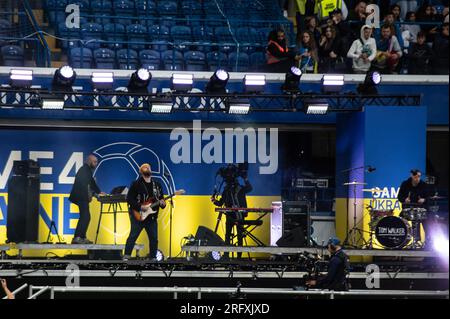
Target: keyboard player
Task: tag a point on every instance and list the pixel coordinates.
(234, 195)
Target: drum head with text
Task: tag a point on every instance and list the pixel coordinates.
(392, 232)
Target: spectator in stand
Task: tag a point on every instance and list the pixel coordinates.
(311, 26)
(329, 47)
(390, 20)
(279, 58)
(8, 293)
(426, 14)
(396, 11)
(406, 6)
(363, 51)
(439, 62)
(326, 7)
(343, 31)
(305, 8)
(308, 52)
(411, 29)
(389, 51)
(358, 18)
(419, 56)
(445, 14)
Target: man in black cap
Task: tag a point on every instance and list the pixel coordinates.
(338, 267)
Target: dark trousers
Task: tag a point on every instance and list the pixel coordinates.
(151, 227)
(233, 220)
(83, 222)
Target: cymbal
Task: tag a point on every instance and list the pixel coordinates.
(354, 183)
(372, 190)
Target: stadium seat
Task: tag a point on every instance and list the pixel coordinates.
(145, 8)
(195, 61)
(223, 34)
(158, 33)
(172, 60)
(239, 62)
(100, 9)
(169, 8)
(56, 11)
(104, 59)
(115, 35)
(216, 59)
(160, 46)
(191, 7)
(150, 59)
(127, 59)
(124, 9)
(80, 57)
(91, 35)
(257, 61)
(136, 33)
(12, 55)
(181, 33)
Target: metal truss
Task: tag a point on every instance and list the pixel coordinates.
(200, 102)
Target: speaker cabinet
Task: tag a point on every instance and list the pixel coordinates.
(293, 238)
(23, 209)
(206, 237)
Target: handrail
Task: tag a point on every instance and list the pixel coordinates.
(255, 291)
(39, 32)
(40, 292)
(15, 292)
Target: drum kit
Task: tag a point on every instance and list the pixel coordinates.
(392, 232)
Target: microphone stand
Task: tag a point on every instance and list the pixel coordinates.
(170, 220)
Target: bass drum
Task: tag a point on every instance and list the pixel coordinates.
(393, 232)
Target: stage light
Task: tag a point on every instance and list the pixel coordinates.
(254, 83)
(332, 83)
(102, 80)
(182, 82)
(63, 79)
(52, 102)
(316, 107)
(239, 106)
(20, 78)
(292, 80)
(368, 87)
(159, 256)
(218, 82)
(441, 245)
(161, 105)
(215, 255)
(139, 81)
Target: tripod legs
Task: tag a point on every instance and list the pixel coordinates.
(53, 226)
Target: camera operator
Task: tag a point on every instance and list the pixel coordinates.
(336, 278)
(234, 195)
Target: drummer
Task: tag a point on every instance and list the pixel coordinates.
(413, 193)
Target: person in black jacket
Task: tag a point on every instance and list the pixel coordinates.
(143, 191)
(234, 195)
(419, 56)
(440, 52)
(84, 188)
(279, 58)
(338, 268)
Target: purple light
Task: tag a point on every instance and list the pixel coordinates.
(441, 245)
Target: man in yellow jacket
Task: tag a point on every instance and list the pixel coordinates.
(320, 8)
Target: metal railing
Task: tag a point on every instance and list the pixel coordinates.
(15, 292)
(201, 291)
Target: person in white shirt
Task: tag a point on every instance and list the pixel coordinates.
(363, 50)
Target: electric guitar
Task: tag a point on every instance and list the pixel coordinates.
(151, 206)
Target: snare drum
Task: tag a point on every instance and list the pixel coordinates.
(393, 232)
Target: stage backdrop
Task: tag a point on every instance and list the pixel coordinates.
(179, 159)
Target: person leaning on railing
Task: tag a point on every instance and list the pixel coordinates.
(6, 290)
(279, 58)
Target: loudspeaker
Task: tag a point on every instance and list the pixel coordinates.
(26, 168)
(206, 237)
(294, 238)
(23, 209)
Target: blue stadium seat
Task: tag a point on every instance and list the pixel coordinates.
(124, 9)
(181, 35)
(145, 8)
(167, 8)
(216, 59)
(239, 62)
(172, 60)
(5, 29)
(215, 20)
(150, 59)
(56, 11)
(257, 61)
(191, 7)
(263, 35)
(160, 46)
(100, 9)
(167, 21)
(136, 33)
(158, 33)
(127, 59)
(12, 55)
(80, 58)
(104, 59)
(194, 20)
(92, 35)
(115, 34)
(223, 34)
(195, 61)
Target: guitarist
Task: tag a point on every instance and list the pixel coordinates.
(143, 190)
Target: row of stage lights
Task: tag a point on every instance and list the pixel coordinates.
(65, 76)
